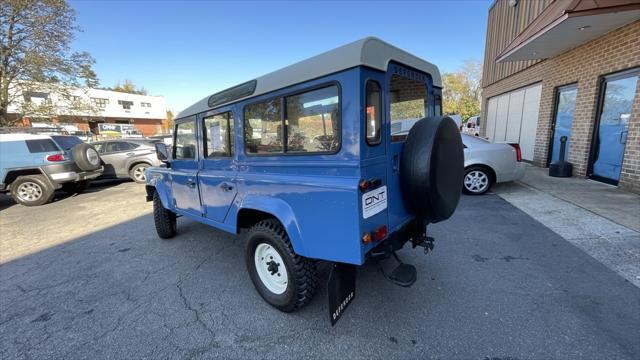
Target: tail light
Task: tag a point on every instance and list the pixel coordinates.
(56, 157)
(518, 152)
(380, 233)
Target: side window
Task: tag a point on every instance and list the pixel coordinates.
(313, 121)
(408, 102)
(99, 147)
(263, 127)
(438, 105)
(185, 142)
(373, 112)
(218, 134)
(115, 146)
(41, 145)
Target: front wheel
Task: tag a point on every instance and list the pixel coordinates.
(284, 279)
(164, 219)
(477, 180)
(137, 173)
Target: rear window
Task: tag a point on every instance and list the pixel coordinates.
(41, 146)
(67, 142)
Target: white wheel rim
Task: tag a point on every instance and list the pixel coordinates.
(93, 157)
(29, 191)
(138, 173)
(271, 269)
(476, 181)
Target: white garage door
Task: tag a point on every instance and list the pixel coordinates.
(513, 118)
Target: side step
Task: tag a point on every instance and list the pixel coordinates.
(403, 275)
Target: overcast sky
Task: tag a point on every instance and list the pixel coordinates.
(186, 50)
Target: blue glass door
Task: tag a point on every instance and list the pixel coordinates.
(565, 108)
(613, 125)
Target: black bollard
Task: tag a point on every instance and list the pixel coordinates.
(561, 168)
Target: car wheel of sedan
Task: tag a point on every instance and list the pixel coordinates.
(137, 173)
(477, 180)
(284, 279)
(165, 220)
(31, 190)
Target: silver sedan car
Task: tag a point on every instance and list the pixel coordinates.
(486, 163)
(127, 158)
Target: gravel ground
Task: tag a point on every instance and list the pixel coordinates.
(87, 277)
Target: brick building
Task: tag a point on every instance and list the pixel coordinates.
(555, 68)
(145, 113)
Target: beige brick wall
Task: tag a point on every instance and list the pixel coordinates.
(616, 51)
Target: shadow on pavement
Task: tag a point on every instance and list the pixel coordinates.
(499, 285)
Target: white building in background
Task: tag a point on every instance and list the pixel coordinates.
(145, 113)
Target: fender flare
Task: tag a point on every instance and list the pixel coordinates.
(162, 189)
(280, 210)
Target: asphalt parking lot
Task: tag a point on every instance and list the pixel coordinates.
(87, 277)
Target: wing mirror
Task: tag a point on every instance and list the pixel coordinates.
(162, 152)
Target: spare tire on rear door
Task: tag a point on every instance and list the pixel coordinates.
(432, 168)
(86, 157)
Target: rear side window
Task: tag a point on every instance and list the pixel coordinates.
(373, 111)
(41, 146)
(307, 122)
(263, 127)
(312, 120)
(67, 142)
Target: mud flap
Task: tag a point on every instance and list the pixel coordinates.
(342, 289)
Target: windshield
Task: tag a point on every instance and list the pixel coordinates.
(67, 142)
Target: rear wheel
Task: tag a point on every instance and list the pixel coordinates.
(477, 180)
(164, 219)
(284, 279)
(31, 190)
(137, 173)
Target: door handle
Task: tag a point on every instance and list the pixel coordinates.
(226, 186)
(191, 183)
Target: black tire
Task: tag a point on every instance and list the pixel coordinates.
(75, 187)
(86, 157)
(134, 173)
(477, 180)
(432, 168)
(31, 190)
(165, 220)
(301, 272)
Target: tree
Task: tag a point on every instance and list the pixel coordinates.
(168, 123)
(128, 87)
(462, 90)
(35, 54)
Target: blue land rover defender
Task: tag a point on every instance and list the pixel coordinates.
(307, 161)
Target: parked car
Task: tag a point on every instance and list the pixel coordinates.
(33, 166)
(472, 126)
(326, 181)
(127, 158)
(486, 163)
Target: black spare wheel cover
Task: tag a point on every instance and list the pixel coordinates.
(86, 157)
(432, 168)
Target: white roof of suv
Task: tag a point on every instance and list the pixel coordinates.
(371, 52)
(19, 136)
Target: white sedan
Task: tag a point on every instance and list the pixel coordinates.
(486, 163)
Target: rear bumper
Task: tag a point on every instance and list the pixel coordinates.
(519, 171)
(69, 172)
